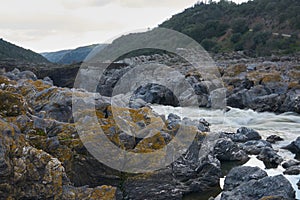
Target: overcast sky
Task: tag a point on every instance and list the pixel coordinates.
(50, 25)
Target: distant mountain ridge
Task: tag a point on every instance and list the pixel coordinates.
(54, 57)
(9, 51)
(72, 55)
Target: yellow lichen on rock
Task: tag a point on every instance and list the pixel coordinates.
(104, 193)
(39, 85)
(150, 144)
(11, 104)
(271, 77)
(235, 70)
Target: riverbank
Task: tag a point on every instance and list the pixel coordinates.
(285, 125)
(43, 150)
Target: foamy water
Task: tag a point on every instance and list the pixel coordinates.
(286, 125)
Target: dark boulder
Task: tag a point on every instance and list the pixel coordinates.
(253, 183)
(226, 150)
(292, 101)
(254, 147)
(242, 174)
(56, 103)
(156, 94)
(293, 170)
(270, 158)
(267, 103)
(290, 163)
(158, 186)
(244, 134)
(173, 121)
(239, 99)
(274, 138)
(188, 174)
(198, 175)
(294, 147)
(128, 141)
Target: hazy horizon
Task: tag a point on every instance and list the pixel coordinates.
(53, 25)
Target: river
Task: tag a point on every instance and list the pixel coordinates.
(286, 125)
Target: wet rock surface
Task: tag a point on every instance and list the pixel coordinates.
(290, 163)
(227, 150)
(240, 175)
(292, 167)
(294, 147)
(245, 134)
(254, 147)
(270, 157)
(253, 183)
(274, 138)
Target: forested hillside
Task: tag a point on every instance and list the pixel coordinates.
(9, 51)
(258, 27)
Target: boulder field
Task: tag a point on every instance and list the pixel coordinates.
(260, 84)
(43, 157)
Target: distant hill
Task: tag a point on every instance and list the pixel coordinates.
(55, 56)
(72, 55)
(9, 51)
(259, 27)
(256, 28)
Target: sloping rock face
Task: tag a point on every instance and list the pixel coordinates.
(43, 157)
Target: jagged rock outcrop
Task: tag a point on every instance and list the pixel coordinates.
(30, 173)
(36, 150)
(44, 157)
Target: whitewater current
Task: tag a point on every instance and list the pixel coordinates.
(286, 125)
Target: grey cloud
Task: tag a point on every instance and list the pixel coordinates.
(76, 4)
(55, 22)
(25, 35)
(155, 3)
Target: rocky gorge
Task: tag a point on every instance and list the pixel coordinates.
(43, 156)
